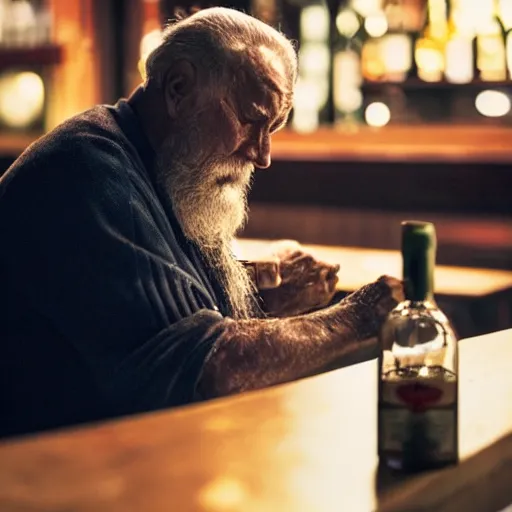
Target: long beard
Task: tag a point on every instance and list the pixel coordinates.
(210, 203)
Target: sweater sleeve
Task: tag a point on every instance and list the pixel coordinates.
(82, 242)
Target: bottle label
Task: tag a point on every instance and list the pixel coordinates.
(418, 420)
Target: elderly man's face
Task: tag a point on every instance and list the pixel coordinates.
(207, 162)
(209, 158)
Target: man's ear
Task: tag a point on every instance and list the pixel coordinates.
(180, 86)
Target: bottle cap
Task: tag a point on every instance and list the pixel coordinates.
(419, 233)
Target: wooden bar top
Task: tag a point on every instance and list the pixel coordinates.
(305, 446)
(422, 143)
(359, 266)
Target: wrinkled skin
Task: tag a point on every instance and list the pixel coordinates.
(292, 281)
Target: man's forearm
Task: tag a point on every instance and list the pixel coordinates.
(251, 354)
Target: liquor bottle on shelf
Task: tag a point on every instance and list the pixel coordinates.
(430, 46)
(418, 367)
(346, 80)
(509, 53)
(376, 27)
(311, 100)
(397, 56)
(388, 50)
(505, 14)
(459, 55)
(490, 44)
(504, 8)
(19, 24)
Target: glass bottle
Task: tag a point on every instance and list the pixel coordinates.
(346, 81)
(459, 55)
(418, 367)
(430, 47)
(490, 45)
(311, 107)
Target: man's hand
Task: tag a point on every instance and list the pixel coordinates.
(366, 309)
(292, 281)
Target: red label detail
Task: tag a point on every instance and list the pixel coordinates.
(418, 396)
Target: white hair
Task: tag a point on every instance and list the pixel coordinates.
(221, 41)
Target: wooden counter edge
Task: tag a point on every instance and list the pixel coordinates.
(435, 144)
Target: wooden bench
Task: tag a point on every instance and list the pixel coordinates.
(478, 299)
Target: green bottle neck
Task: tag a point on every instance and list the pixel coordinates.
(418, 273)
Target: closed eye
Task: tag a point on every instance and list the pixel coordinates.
(256, 118)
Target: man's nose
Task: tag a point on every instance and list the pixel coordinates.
(259, 152)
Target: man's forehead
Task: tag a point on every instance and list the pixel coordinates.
(268, 80)
(274, 61)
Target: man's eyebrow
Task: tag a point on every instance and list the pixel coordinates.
(259, 110)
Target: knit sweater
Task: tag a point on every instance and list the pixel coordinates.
(106, 308)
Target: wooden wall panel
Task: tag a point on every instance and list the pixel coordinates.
(76, 82)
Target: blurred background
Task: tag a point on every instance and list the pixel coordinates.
(402, 110)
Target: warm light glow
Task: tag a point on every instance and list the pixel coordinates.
(22, 97)
(366, 7)
(371, 60)
(429, 60)
(491, 58)
(21, 18)
(314, 23)
(348, 100)
(459, 60)
(509, 53)
(309, 98)
(463, 22)
(397, 56)
(149, 42)
(376, 24)
(314, 59)
(347, 23)
(347, 79)
(310, 93)
(505, 9)
(481, 13)
(424, 371)
(223, 493)
(347, 69)
(377, 114)
(438, 25)
(493, 103)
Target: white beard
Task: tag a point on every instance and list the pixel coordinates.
(210, 203)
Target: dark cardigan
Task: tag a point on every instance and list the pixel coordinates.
(105, 308)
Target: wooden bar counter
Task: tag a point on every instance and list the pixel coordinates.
(414, 143)
(477, 300)
(305, 446)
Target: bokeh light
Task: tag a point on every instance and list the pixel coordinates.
(492, 103)
(22, 96)
(347, 23)
(377, 114)
(376, 25)
(314, 23)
